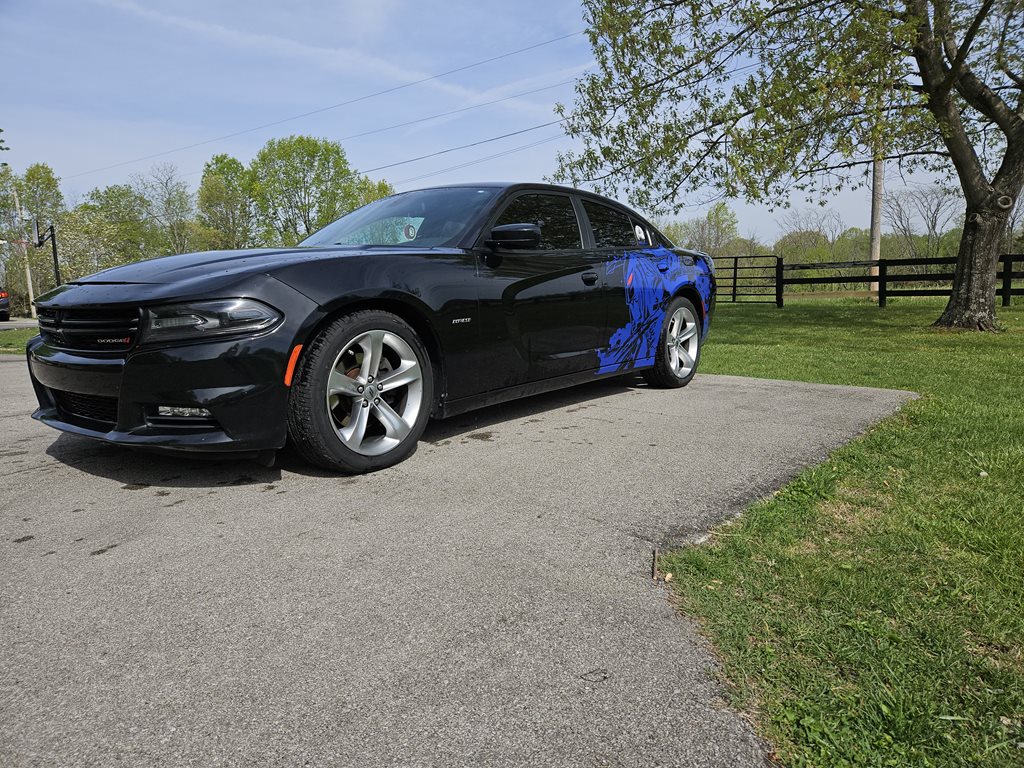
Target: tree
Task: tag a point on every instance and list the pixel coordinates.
(225, 203)
(89, 242)
(3, 146)
(301, 184)
(709, 234)
(136, 232)
(40, 193)
(761, 97)
(171, 205)
(935, 208)
(1013, 239)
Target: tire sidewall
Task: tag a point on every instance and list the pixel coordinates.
(313, 377)
(663, 368)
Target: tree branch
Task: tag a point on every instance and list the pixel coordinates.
(868, 161)
(1001, 62)
(958, 56)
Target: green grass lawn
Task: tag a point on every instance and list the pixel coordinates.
(12, 341)
(872, 612)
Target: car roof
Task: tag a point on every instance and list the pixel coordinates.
(513, 185)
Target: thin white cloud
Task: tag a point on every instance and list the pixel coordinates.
(339, 59)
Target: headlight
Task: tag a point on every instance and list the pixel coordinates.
(208, 319)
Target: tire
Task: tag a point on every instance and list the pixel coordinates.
(4, 317)
(678, 354)
(337, 417)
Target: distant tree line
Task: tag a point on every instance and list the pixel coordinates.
(291, 188)
(924, 222)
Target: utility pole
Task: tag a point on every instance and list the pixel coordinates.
(877, 176)
(23, 242)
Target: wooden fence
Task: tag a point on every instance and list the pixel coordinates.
(763, 279)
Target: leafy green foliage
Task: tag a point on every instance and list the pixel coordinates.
(710, 234)
(135, 232)
(762, 97)
(759, 97)
(300, 184)
(872, 612)
(292, 188)
(38, 192)
(225, 203)
(89, 242)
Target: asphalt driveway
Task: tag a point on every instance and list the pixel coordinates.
(487, 602)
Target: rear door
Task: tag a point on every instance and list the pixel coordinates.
(634, 286)
(541, 310)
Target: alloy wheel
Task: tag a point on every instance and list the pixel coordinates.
(682, 341)
(374, 392)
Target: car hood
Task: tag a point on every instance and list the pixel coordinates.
(213, 265)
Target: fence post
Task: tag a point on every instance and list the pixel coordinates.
(735, 272)
(779, 282)
(883, 281)
(1007, 260)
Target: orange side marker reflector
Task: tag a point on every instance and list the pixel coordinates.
(630, 281)
(292, 360)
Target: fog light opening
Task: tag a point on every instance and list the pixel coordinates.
(178, 411)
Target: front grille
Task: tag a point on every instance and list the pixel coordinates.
(91, 407)
(93, 330)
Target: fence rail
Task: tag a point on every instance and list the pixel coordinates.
(763, 279)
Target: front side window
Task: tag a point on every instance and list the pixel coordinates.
(555, 216)
(611, 228)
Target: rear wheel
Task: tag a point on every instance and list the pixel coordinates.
(678, 352)
(362, 395)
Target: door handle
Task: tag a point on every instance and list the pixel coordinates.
(589, 278)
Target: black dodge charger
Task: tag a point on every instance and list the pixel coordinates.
(423, 304)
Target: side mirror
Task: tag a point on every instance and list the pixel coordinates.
(515, 236)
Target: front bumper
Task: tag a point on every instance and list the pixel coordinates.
(115, 399)
(114, 396)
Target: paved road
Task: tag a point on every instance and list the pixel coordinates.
(18, 322)
(485, 603)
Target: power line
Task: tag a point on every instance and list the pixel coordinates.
(355, 100)
(479, 160)
(439, 115)
(357, 174)
(454, 111)
(462, 146)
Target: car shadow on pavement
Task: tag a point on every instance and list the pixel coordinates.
(536, 405)
(137, 469)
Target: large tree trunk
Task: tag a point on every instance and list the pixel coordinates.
(973, 301)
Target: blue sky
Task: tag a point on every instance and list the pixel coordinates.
(94, 83)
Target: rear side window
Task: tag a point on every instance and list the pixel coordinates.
(555, 216)
(611, 228)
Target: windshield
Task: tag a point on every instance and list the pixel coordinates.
(424, 218)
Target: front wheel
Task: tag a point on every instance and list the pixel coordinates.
(362, 395)
(675, 362)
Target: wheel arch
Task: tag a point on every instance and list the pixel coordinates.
(689, 291)
(404, 308)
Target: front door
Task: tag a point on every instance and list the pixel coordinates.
(542, 311)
